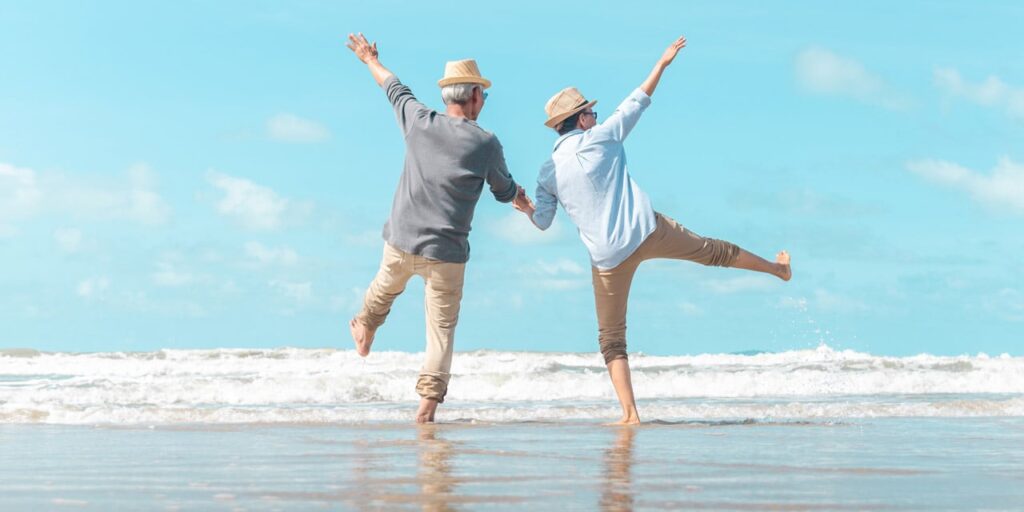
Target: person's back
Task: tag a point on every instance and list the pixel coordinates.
(447, 161)
(613, 214)
(587, 174)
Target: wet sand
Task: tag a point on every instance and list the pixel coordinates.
(876, 464)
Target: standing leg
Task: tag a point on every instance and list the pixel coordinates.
(611, 294)
(442, 299)
(395, 271)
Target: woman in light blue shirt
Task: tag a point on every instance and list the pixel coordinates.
(587, 175)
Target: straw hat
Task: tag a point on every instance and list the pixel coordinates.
(567, 102)
(462, 72)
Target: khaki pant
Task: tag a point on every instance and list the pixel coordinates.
(442, 297)
(611, 287)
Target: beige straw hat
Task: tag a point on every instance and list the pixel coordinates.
(462, 72)
(567, 102)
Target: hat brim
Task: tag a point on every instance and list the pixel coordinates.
(444, 82)
(554, 121)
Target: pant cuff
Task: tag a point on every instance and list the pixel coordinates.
(430, 386)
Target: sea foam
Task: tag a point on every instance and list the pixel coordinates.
(325, 386)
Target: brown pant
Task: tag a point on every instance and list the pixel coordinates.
(611, 287)
(442, 298)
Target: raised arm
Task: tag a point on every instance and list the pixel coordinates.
(621, 122)
(367, 53)
(407, 108)
(666, 58)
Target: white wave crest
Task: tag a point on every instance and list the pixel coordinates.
(304, 385)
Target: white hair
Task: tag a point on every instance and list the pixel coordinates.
(457, 93)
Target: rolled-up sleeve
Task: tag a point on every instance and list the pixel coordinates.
(407, 107)
(499, 179)
(621, 122)
(546, 201)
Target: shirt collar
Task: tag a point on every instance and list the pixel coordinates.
(566, 136)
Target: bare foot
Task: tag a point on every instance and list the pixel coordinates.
(628, 420)
(425, 414)
(362, 336)
(782, 260)
(629, 417)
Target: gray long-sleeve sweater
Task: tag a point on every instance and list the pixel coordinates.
(447, 161)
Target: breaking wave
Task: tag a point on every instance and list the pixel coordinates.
(334, 386)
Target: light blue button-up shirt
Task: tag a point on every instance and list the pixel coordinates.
(587, 175)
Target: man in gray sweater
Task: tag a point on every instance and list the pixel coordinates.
(448, 159)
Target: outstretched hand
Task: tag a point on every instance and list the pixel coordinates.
(522, 202)
(673, 50)
(362, 48)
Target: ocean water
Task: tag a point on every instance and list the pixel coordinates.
(225, 386)
(296, 429)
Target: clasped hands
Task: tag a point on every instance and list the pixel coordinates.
(522, 202)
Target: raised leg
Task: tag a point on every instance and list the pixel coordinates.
(395, 271)
(750, 261)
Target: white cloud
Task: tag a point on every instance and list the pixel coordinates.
(1002, 188)
(93, 288)
(264, 255)
(254, 206)
(561, 274)
(516, 228)
(822, 71)
(291, 128)
(25, 193)
(296, 291)
(744, 283)
(690, 309)
(19, 195)
(992, 92)
(368, 238)
(68, 240)
(167, 274)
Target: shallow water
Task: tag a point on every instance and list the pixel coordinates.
(299, 429)
(863, 464)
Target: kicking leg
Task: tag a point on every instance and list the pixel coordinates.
(395, 271)
(779, 269)
(672, 240)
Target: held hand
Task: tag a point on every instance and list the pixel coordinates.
(362, 48)
(522, 202)
(672, 51)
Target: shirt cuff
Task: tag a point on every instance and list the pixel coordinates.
(641, 97)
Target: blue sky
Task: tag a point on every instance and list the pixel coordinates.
(196, 174)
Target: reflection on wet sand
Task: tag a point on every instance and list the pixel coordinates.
(617, 488)
(435, 471)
